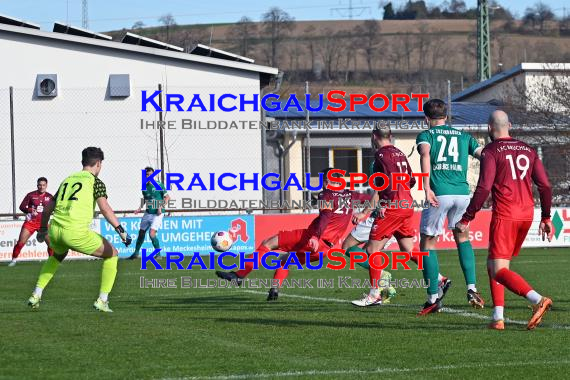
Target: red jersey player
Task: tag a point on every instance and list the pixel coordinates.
(394, 220)
(322, 234)
(508, 168)
(33, 206)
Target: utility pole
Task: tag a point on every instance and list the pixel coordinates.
(483, 41)
(349, 10)
(307, 141)
(85, 15)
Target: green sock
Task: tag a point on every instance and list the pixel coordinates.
(108, 274)
(430, 271)
(467, 261)
(46, 273)
(140, 241)
(155, 242)
(355, 251)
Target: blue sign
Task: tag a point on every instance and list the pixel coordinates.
(186, 234)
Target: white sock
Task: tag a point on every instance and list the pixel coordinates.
(103, 296)
(439, 277)
(471, 287)
(374, 292)
(533, 297)
(432, 298)
(498, 313)
(38, 292)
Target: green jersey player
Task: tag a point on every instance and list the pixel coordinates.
(152, 218)
(444, 155)
(73, 208)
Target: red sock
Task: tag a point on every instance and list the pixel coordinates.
(497, 291)
(17, 249)
(513, 281)
(280, 275)
(248, 266)
(375, 274)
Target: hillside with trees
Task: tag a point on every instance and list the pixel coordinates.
(413, 48)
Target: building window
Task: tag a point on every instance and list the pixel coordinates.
(319, 160)
(367, 160)
(345, 159)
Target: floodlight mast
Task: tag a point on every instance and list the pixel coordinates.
(483, 41)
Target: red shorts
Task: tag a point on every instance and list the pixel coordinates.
(298, 241)
(31, 226)
(397, 224)
(506, 237)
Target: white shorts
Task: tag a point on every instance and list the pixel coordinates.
(152, 221)
(451, 206)
(362, 232)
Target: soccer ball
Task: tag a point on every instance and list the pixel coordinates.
(221, 241)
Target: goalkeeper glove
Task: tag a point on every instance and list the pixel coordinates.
(41, 234)
(127, 240)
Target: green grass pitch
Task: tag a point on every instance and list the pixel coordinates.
(307, 333)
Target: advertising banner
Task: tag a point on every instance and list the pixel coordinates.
(10, 232)
(186, 234)
(269, 225)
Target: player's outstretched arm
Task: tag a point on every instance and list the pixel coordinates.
(487, 174)
(165, 200)
(140, 206)
(477, 153)
(25, 203)
(540, 178)
(425, 165)
(110, 216)
(360, 216)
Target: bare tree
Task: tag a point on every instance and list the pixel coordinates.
(137, 25)
(408, 46)
(188, 38)
(424, 42)
(539, 14)
(437, 46)
(330, 52)
(244, 31)
(369, 36)
(544, 13)
(169, 22)
(540, 110)
(277, 23)
(308, 34)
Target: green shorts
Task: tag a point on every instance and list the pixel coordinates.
(63, 239)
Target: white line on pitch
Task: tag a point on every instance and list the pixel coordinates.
(370, 371)
(445, 309)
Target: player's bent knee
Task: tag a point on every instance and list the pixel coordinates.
(349, 242)
(271, 242)
(60, 256)
(106, 250)
(460, 237)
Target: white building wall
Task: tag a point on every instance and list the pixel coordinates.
(51, 133)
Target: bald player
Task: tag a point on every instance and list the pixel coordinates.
(508, 168)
